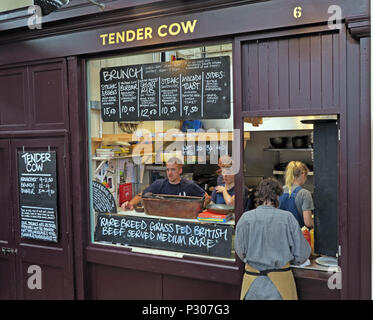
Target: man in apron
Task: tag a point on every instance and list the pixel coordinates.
(268, 240)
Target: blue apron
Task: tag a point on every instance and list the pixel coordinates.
(288, 203)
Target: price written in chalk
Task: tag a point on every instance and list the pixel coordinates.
(37, 184)
(188, 89)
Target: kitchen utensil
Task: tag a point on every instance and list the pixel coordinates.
(220, 208)
(139, 208)
(279, 142)
(172, 206)
(327, 261)
(300, 142)
(281, 166)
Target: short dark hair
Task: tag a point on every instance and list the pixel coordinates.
(268, 190)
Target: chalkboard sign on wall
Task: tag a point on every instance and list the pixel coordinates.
(37, 185)
(190, 237)
(183, 89)
(103, 200)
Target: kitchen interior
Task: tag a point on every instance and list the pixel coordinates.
(275, 141)
(269, 144)
(113, 143)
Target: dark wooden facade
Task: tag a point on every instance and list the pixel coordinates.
(283, 66)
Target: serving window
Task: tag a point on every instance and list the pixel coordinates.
(149, 113)
(310, 141)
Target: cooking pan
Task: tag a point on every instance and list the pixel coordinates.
(172, 206)
(300, 142)
(279, 142)
(220, 208)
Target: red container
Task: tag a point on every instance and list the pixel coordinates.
(125, 192)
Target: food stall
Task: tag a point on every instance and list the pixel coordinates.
(116, 93)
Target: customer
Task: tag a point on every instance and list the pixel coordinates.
(296, 199)
(268, 240)
(172, 185)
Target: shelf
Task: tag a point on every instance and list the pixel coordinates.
(283, 172)
(170, 136)
(122, 157)
(284, 149)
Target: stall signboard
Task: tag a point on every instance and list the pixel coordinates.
(174, 235)
(37, 185)
(182, 89)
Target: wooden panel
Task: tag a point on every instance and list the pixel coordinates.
(315, 61)
(365, 169)
(48, 96)
(55, 259)
(178, 288)
(7, 262)
(52, 282)
(313, 285)
(291, 74)
(5, 195)
(13, 105)
(7, 277)
(111, 283)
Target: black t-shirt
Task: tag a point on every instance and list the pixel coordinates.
(184, 188)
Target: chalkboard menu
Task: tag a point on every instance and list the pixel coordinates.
(37, 185)
(189, 237)
(103, 200)
(182, 89)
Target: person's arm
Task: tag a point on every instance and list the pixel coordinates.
(307, 217)
(229, 200)
(299, 246)
(128, 205)
(241, 238)
(307, 207)
(153, 188)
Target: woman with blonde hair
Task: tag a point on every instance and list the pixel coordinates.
(296, 199)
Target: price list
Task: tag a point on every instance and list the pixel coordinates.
(37, 184)
(184, 89)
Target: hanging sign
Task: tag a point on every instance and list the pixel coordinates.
(37, 185)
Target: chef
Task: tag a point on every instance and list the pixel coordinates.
(295, 198)
(224, 161)
(225, 192)
(268, 240)
(172, 185)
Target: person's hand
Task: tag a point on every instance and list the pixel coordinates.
(126, 206)
(220, 189)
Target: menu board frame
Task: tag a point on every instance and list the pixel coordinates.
(182, 89)
(38, 195)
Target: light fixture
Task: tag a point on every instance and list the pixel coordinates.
(48, 6)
